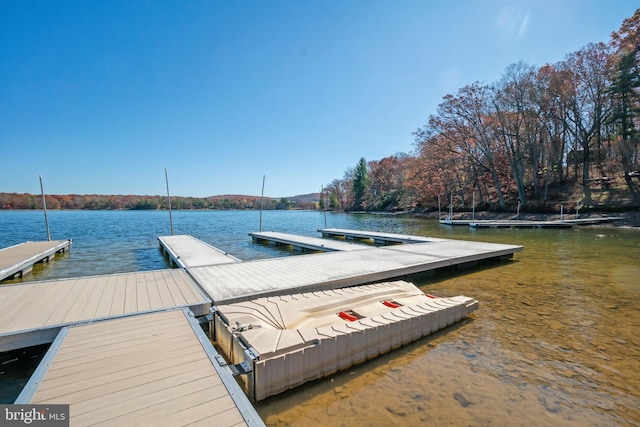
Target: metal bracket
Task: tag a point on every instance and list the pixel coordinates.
(241, 368)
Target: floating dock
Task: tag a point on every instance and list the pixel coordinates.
(516, 223)
(375, 237)
(288, 340)
(187, 251)
(303, 243)
(234, 282)
(34, 313)
(152, 369)
(18, 260)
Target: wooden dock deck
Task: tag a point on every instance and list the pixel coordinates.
(228, 283)
(303, 243)
(33, 313)
(376, 237)
(187, 251)
(18, 260)
(152, 369)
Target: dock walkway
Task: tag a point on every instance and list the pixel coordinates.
(376, 237)
(152, 369)
(303, 242)
(33, 313)
(18, 260)
(235, 282)
(187, 251)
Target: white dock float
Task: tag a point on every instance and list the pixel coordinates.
(291, 339)
(18, 260)
(187, 251)
(33, 313)
(303, 242)
(152, 369)
(234, 282)
(376, 237)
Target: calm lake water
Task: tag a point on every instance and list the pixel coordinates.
(556, 340)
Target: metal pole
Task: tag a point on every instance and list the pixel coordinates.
(324, 206)
(518, 213)
(166, 177)
(439, 213)
(261, 198)
(44, 206)
(561, 213)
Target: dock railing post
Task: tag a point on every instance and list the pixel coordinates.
(561, 213)
(166, 177)
(44, 206)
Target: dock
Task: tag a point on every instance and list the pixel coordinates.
(303, 243)
(516, 223)
(235, 282)
(34, 313)
(152, 369)
(375, 237)
(187, 251)
(18, 260)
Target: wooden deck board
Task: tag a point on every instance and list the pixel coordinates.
(152, 379)
(53, 304)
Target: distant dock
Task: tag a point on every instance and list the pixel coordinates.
(18, 260)
(515, 223)
(303, 243)
(375, 237)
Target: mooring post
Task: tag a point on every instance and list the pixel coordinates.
(44, 206)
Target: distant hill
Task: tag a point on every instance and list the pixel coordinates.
(136, 202)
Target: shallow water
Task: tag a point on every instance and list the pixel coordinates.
(555, 341)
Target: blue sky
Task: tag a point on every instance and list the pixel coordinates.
(99, 97)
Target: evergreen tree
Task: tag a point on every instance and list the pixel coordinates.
(360, 185)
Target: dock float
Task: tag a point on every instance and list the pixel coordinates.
(18, 260)
(151, 369)
(376, 237)
(235, 282)
(34, 313)
(291, 339)
(187, 251)
(304, 243)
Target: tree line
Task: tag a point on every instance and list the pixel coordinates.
(520, 139)
(108, 202)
